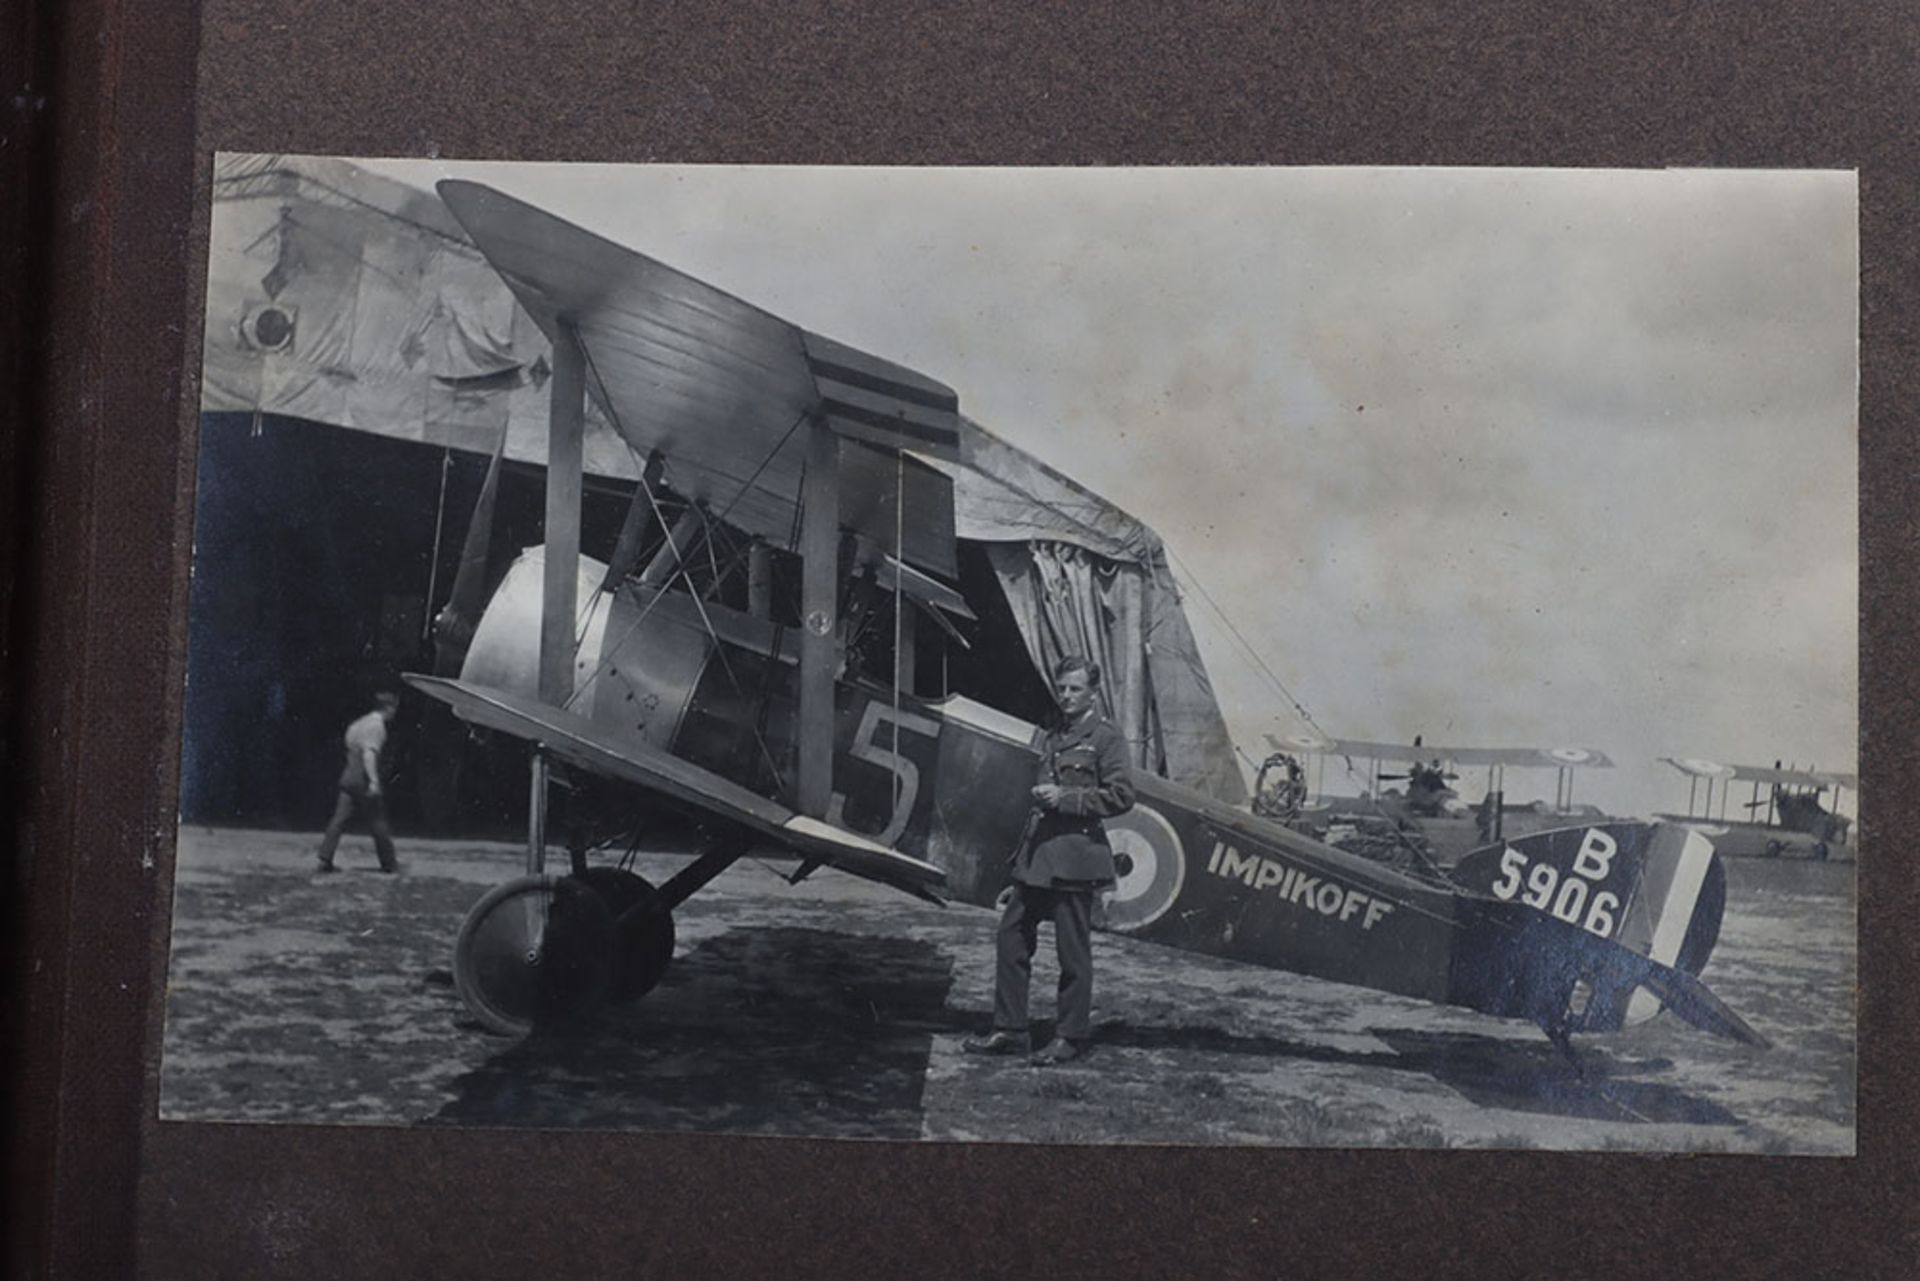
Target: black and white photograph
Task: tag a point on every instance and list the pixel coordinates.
(1306, 657)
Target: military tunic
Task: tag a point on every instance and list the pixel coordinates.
(1066, 845)
(1062, 860)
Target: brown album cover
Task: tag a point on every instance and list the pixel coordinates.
(1356, 519)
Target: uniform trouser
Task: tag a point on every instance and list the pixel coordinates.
(1071, 912)
(374, 809)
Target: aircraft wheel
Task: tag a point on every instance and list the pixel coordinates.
(643, 928)
(1774, 849)
(532, 952)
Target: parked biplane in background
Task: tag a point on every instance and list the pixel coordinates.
(1787, 822)
(766, 719)
(1427, 818)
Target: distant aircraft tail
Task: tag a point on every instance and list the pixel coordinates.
(1586, 929)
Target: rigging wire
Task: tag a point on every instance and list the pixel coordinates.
(712, 532)
(1424, 861)
(1260, 664)
(681, 559)
(439, 520)
(666, 527)
(706, 620)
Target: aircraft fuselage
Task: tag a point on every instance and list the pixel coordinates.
(947, 781)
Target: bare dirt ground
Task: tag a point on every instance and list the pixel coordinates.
(836, 1009)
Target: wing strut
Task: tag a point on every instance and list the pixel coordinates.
(819, 606)
(565, 432)
(566, 428)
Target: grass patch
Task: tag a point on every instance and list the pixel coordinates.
(1515, 1141)
(1206, 1086)
(1415, 1132)
(1305, 1123)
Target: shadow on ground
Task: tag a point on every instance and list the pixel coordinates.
(808, 1031)
(1501, 1072)
(794, 1031)
(831, 1009)
(1526, 1077)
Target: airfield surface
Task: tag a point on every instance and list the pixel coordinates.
(836, 1008)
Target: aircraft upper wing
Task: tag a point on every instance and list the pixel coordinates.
(718, 385)
(1699, 767)
(1518, 757)
(1310, 744)
(1696, 767)
(576, 739)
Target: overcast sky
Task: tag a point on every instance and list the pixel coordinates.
(1504, 458)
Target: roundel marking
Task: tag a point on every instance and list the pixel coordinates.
(1571, 755)
(1151, 865)
(273, 328)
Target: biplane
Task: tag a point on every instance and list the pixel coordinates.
(1788, 821)
(1429, 805)
(765, 728)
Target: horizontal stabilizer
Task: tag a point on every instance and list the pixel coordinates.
(1516, 961)
(1689, 998)
(606, 752)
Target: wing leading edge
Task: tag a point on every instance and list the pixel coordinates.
(718, 385)
(580, 742)
(1402, 753)
(1695, 767)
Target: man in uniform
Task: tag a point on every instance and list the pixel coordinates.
(360, 787)
(1062, 861)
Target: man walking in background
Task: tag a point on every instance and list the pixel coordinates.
(360, 786)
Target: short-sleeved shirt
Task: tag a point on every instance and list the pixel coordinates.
(365, 739)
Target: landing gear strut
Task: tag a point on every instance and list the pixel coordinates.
(643, 929)
(1561, 1035)
(544, 949)
(538, 949)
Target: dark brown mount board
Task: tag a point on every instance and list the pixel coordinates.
(140, 98)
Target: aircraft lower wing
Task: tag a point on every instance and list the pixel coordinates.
(576, 739)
